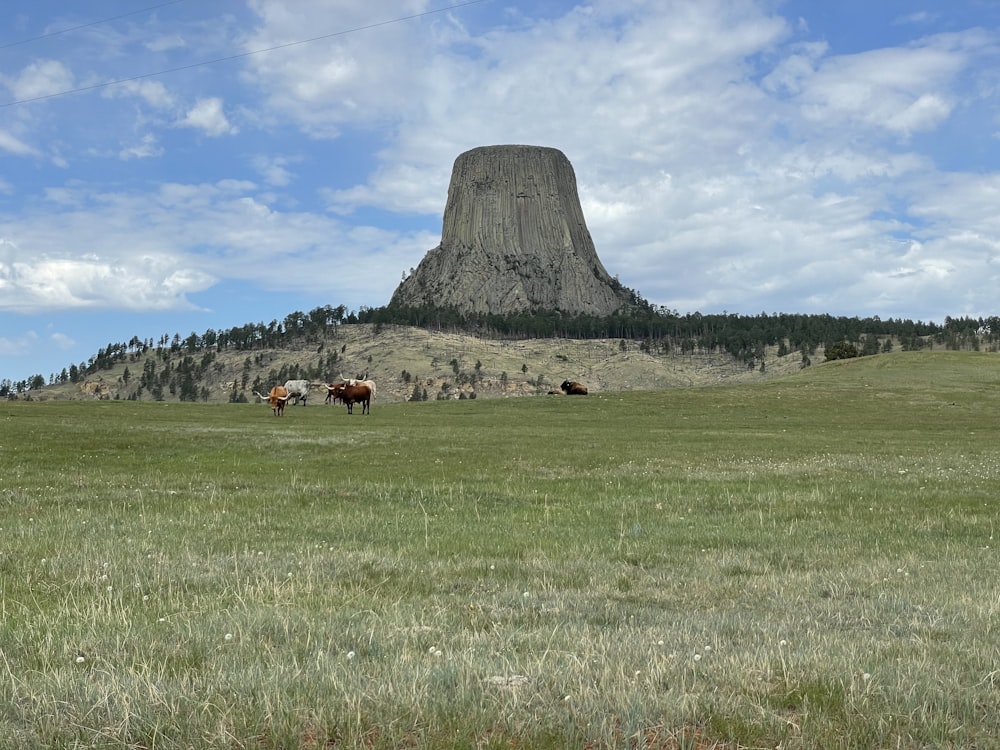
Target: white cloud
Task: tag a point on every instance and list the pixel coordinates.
(61, 283)
(208, 116)
(147, 147)
(154, 93)
(904, 89)
(62, 341)
(358, 77)
(16, 146)
(140, 257)
(18, 346)
(166, 42)
(40, 78)
(274, 169)
(922, 17)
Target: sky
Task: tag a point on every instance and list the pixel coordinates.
(174, 167)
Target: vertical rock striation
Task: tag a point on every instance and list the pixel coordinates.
(513, 240)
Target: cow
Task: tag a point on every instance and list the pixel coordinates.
(297, 389)
(356, 381)
(330, 390)
(351, 394)
(277, 399)
(572, 388)
(347, 381)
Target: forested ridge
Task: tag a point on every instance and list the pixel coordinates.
(658, 331)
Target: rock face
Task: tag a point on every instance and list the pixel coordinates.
(513, 240)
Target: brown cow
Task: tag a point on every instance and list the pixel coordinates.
(277, 398)
(350, 395)
(330, 390)
(572, 388)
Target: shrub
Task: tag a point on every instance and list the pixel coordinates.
(841, 350)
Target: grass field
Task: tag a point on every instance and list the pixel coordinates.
(808, 562)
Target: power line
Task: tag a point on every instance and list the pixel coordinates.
(91, 23)
(239, 55)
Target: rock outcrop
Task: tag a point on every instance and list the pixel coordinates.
(513, 240)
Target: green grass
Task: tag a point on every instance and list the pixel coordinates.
(808, 562)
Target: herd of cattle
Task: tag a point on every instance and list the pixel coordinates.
(352, 391)
(349, 392)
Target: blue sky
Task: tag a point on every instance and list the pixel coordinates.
(731, 155)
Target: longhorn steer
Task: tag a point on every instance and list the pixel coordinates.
(351, 395)
(572, 388)
(330, 390)
(297, 389)
(277, 398)
(355, 381)
(330, 396)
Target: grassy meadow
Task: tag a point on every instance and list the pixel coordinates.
(805, 563)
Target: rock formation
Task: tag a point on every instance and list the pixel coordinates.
(513, 240)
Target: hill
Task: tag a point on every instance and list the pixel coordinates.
(405, 359)
(431, 353)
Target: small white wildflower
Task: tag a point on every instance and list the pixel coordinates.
(145, 597)
(110, 589)
(566, 699)
(80, 659)
(659, 642)
(782, 643)
(526, 594)
(162, 619)
(708, 649)
(697, 657)
(350, 655)
(866, 676)
(229, 636)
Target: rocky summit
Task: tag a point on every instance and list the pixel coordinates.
(513, 240)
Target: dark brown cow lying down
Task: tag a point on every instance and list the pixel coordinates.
(572, 388)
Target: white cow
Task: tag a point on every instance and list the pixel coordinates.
(297, 389)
